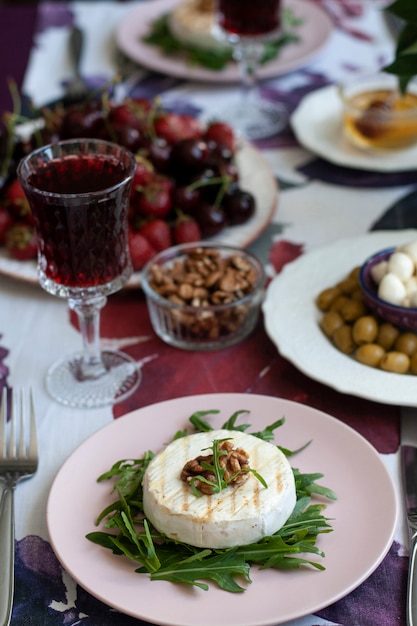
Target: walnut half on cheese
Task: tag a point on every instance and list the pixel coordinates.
(192, 22)
(237, 515)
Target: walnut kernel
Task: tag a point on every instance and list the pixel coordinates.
(233, 463)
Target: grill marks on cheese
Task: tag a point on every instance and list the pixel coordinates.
(238, 515)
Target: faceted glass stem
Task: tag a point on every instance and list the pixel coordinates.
(248, 56)
(88, 311)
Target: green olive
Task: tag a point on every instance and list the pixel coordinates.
(357, 294)
(339, 302)
(343, 340)
(348, 285)
(353, 310)
(406, 342)
(330, 322)
(365, 330)
(327, 297)
(370, 354)
(355, 273)
(413, 363)
(387, 335)
(396, 362)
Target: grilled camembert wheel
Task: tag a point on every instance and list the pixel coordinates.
(239, 514)
(192, 22)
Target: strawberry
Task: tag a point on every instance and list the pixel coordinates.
(172, 127)
(6, 221)
(125, 115)
(186, 230)
(155, 200)
(158, 233)
(221, 133)
(21, 242)
(17, 201)
(144, 174)
(140, 249)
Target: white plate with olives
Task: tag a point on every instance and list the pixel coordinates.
(292, 319)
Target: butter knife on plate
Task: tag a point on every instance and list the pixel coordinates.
(409, 479)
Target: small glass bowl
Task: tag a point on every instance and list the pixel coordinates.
(180, 313)
(375, 115)
(401, 316)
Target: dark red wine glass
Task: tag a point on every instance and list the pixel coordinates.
(246, 25)
(78, 191)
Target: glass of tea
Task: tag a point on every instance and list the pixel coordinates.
(78, 191)
(246, 25)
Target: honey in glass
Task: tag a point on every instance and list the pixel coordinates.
(381, 119)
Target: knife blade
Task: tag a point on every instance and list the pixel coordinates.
(408, 453)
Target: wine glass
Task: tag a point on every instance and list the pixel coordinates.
(246, 25)
(78, 191)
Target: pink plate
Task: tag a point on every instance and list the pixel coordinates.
(314, 33)
(353, 551)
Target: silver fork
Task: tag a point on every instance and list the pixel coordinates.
(18, 460)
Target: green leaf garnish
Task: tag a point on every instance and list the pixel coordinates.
(404, 65)
(216, 469)
(163, 558)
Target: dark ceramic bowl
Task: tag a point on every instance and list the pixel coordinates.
(402, 316)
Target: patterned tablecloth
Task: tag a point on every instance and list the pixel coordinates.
(319, 202)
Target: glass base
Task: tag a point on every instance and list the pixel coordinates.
(121, 378)
(256, 118)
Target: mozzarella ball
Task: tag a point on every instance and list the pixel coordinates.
(410, 249)
(402, 265)
(378, 271)
(413, 299)
(411, 285)
(392, 289)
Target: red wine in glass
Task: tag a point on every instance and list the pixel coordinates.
(246, 25)
(81, 245)
(249, 18)
(79, 193)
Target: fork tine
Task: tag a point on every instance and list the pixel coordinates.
(16, 444)
(22, 446)
(11, 452)
(33, 440)
(3, 418)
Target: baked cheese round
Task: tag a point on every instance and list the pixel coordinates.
(237, 515)
(193, 23)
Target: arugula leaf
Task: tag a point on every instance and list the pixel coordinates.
(199, 424)
(230, 424)
(220, 568)
(167, 559)
(267, 434)
(305, 485)
(274, 552)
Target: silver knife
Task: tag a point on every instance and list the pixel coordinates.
(409, 478)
